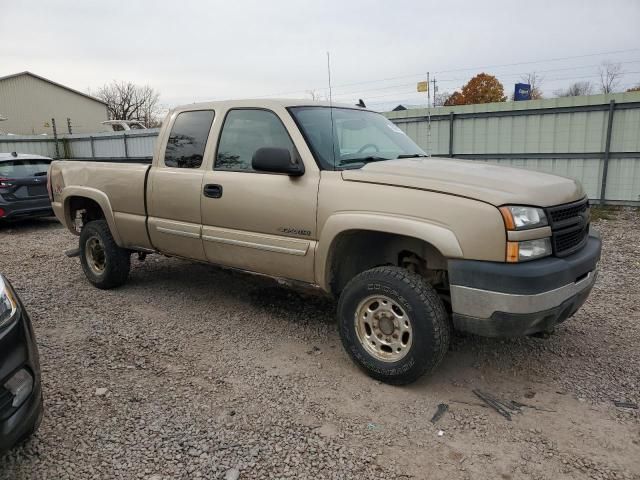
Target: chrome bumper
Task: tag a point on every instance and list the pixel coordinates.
(474, 302)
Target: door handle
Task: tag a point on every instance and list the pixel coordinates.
(212, 190)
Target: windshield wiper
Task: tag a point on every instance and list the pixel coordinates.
(411, 155)
(368, 159)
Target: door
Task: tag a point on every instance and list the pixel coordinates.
(261, 222)
(175, 186)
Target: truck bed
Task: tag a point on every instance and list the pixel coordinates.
(120, 185)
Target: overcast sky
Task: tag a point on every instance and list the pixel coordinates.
(206, 50)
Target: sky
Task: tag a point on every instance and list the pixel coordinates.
(198, 50)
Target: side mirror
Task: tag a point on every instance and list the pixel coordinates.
(276, 160)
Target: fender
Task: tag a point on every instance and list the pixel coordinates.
(438, 235)
(93, 194)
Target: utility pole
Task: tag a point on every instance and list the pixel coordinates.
(424, 87)
(435, 90)
(55, 136)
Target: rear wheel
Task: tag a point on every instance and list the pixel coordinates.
(105, 264)
(393, 324)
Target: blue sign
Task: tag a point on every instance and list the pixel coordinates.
(523, 92)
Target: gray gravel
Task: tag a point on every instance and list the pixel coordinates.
(193, 372)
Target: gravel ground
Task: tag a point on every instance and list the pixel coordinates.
(189, 371)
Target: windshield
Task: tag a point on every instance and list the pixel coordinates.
(23, 168)
(359, 137)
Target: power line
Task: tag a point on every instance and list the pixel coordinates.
(553, 79)
(557, 59)
(360, 93)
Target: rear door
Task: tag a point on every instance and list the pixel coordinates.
(175, 186)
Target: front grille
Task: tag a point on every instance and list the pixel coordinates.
(6, 400)
(569, 227)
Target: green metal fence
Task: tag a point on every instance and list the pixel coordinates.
(594, 139)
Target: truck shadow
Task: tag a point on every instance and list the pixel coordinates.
(470, 358)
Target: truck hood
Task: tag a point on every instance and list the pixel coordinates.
(473, 179)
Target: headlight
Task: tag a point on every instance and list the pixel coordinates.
(522, 218)
(528, 249)
(8, 304)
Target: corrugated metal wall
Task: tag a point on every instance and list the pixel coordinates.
(29, 103)
(132, 145)
(566, 136)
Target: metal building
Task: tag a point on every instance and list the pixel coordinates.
(29, 102)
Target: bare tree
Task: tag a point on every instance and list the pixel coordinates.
(535, 82)
(440, 98)
(128, 101)
(575, 90)
(316, 96)
(610, 74)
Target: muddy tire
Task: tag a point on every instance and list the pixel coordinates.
(105, 264)
(393, 324)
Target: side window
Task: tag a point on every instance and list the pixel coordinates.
(245, 131)
(188, 137)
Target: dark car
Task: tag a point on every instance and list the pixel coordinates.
(23, 186)
(20, 387)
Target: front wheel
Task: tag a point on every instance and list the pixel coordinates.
(105, 264)
(393, 324)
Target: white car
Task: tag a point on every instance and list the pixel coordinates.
(120, 125)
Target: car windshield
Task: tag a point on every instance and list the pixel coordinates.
(23, 168)
(352, 138)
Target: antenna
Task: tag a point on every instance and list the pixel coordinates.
(333, 137)
(329, 76)
(428, 117)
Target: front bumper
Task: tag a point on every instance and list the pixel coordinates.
(506, 299)
(18, 350)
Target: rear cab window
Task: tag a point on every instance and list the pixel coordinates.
(188, 139)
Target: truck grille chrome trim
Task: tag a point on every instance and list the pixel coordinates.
(569, 226)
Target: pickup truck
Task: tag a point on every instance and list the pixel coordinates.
(341, 199)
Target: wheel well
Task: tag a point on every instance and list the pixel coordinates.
(355, 251)
(83, 210)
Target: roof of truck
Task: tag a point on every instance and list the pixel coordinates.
(267, 103)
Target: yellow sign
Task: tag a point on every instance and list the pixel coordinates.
(423, 86)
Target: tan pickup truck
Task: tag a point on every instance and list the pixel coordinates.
(339, 198)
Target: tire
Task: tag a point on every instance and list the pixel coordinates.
(112, 269)
(409, 315)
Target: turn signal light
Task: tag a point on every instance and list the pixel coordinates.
(508, 218)
(513, 252)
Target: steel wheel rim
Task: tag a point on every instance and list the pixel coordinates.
(383, 328)
(95, 256)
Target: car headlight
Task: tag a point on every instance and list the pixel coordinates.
(528, 249)
(521, 218)
(8, 304)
